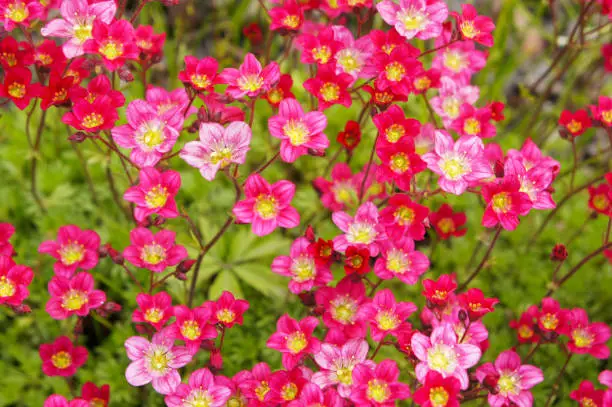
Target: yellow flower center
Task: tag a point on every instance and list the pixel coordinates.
(157, 197)
(378, 391)
(191, 330)
(606, 116)
(587, 402)
(61, 360)
(525, 332)
(446, 225)
(344, 193)
(250, 83)
(399, 163)
(451, 107)
(198, 398)
(501, 202)
(454, 167)
(275, 95)
(387, 320)
(413, 20)
(303, 268)
(92, 120)
(151, 138)
(397, 261)
(223, 157)
(601, 202)
(471, 126)
(143, 44)
(200, 81)
(60, 95)
(158, 360)
(322, 54)
(7, 287)
(297, 131)
(74, 299)
(383, 98)
(422, 83)
(361, 232)
(236, 402)
(297, 342)
(82, 31)
(468, 29)
(330, 92)
(395, 71)
(10, 59)
(438, 397)
(97, 402)
(17, 12)
(153, 253)
(508, 384)
(404, 215)
(343, 309)
(153, 315)
(549, 321)
(111, 50)
(226, 315)
(17, 90)
(348, 61)
(292, 21)
(289, 392)
(345, 375)
(582, 338)
(71, 253)
(266, 206)
(574, 126)
(262, 390)
(454, 61)
(394, 133)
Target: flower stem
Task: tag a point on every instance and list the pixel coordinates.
(483, 261)
(367, 172)
(555, 385)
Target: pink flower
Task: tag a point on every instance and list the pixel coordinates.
(154, 194)
(286, 386)
(341, 305)
(56, 400)
(329, 87)
(403, 218)
(385, 315)
(288, 17)
(353, 55)
(164, 101)
(154, 252)
(155, 362)
(505, 202)
(460, 59)
(255, 385)
(155, 310)
(62, 358)
(19, 13)
(341, 191)
(149, 43)
(312, 395)
(337, 364)
(378, 387)
(438, 391)
(399, 163)
(14, 281)
(228, 310)
(320, 48)
(299, 132)
(200, 390)
(76, 23)
(588, 396)
(200, 74)
(301, 266)
(531, 156)
(535, 182)
(453, 93)
(414, 18)
(267, 206)
(6, 231)
(476, 304)
(603, 111)
(98, 87)
(587, 337)
(442, 353)
(441, 291)
(218, 147)
(460, 164)
(393, 125)
(148, 134)
(192, 326)
(513, 379)
(94, 395)
(294, 339)
(73, 296)
(363, 230)
(474, 27)
(250, 80)
(397, 69)
(399, 259)
(114, 42)
(474, 122)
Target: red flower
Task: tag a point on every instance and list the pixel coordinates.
(606, 53)
(438, 391)
(96, 396)
(6, 231)
(476, 304)
(552, 318)
(525, 326)
(17, 86)
(497, 111)
(14, 281)
(587, 337)
(404, 218)
(50, 56)
(559, 252)
(92, 117)
(448, 223)
(323, 251)
(357, 260)
(474, 27)
(155, 310)
(62, 358)
(330, 88)
(201, 74)
(149, 43)
(600, 198)
(587, 396)
(294, 339)
(98, 87)
(281, 91)
(351, 136)
(386, 42)
(576, 123)
(439, 292)
(399, 163)
(383, 98)
(288, 17)
(393, 126)
(253, 33)
(19, 13)
(424, 80)
(474, 122)
(505, 203)
(396, 69)
(113, 42)
(13, 53)
(228, 310)
(73, 296)
(56, 94)
(603, 111)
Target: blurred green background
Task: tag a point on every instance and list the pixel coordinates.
(517, 273)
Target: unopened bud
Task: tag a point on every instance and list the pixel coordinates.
(185, 265)
(216, 359)
(490, 382)
(307, 298)
(463, 316)
(559, 252)
(78, 327)
(499, 169)
(207, 345)
(158, 221)
(180, 276)
(78, 137)
(22, 309)
(116, 257)
(316, 153)
(125, 74)
(111, 307)
(309, 234)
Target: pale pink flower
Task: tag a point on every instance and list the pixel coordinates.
(414, 18)
(453, 93)
(363, 230)
(399, 259)
(353, 55)
(200, 390)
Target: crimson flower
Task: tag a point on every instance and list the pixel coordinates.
(155, 310)
(329, 87)
(73, 296)
(439, 292)
(474, 27)
(228, 310)
(448, 223)
(357, 260)
(404, 218)
(351, 136)
(192, 326)
(476, 304)
(62, 358)
(341, 305)
(201, 74)
(94, 395)
(280, 91)
(17, 86)
(14, 281)
(438, 391)
(587, 337)
(385, 315)
(154, 194)
(74, 249)
(92, 117)
(575, 122)
(114, 42)
(289, 16)
(294, 339)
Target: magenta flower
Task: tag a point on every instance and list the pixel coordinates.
(56, 400)
(14, 281)
(513, 380)
(201, 74)
(154, 252)
(341, 191)
(114, 42)
(531, 156)
(200, 390)
(228, 310)
(155, 362)
(6, 231)
(312, 395)
(362, 231)
(587, 337)
(19, 13)
(378, 387)
(474, 122)
(414, 18)
(154, 194)
(535, 182)
(399, 259)
(76, 23)
(192, 326)
(148, 134)
(155, 310)
(337, 364)
(164, 101)
(385, 315)
(218, 147)
(460, 164)
(403, 218)
(267, 206)
(73, 296)
(341, 305)
(442, 353)
(299, 132)
(73, 249)
(62, 358)
(438, 391)
(286, 386)
(250, 80)
(255, 385)
(301, 266)
(505, 202)
(475, 27)
(294, 339)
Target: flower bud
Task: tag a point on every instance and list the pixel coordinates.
(180, 276)
(158, 221)
(125, 74)
(463, 316)
(77, 137)
(499, 169)
(490, 382)
(309, 234)
(216, 359)
(111, 307)
(559, 252)
(185, 266)
(22, 309)
(308, 299)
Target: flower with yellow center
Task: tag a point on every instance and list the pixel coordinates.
(225, 315)
(451, 105)
(397, 261)
(198, 398)
(297, 131)
(262, 390)
(291, 21)
(587, 402)
(378, 391)
(17, 12)
(250, 83)
(17, 90)
(345, 375)
(158, 359)
(153, 315)
(223, 157)
(468, 29)
(236, 401)
(275, 95)
(395, 132)
(191, 330)
(574, 126)
(501, 202)
(446, 225)
(412, 19)
(82, 30)
(383, 98)
(71, 253)
(266, 206)
(549, 321)
(296, 342)
(111, 50)
(438, 396)
(303, 269)
(348, 61)
(399, 163)
(61, 360)
(525, 332)
(395, 71)
(582, 338)
(7, 287)
(440, 295)
(454, 166)
(471, 126)
(509, 383)
(343, 309)
(60, 95)
(442, 358)
(153, 253)
(10, 59)
(454, 61)
(422, 83)
(344, 192)
(606, 116)
(92, 120)
(387, 320)
(200, 80)
(322, 54)
(144, 44)
(44, 59)
(97, 402)
(74, 300)
(330, 92)
(404, 215)
(361, 232)
(151, 137)
(157, 197)
(289, 391)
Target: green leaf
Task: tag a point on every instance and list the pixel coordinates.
(225, 281)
